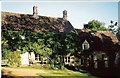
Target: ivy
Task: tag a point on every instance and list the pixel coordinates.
(48, 44)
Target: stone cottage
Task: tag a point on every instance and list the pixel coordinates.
(99, 46)
(17, 22)
(100, 42)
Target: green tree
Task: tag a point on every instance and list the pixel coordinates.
(113, 27)
(24, 41)
(52, 45)
(14, 59)
(96, 26)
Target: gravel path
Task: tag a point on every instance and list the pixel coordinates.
(21, 71)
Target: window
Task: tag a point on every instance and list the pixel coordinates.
(65, 59)
(37, 57)
(68, 59)
(85, 45)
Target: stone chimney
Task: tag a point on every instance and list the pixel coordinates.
(65, 14)
(35, 12)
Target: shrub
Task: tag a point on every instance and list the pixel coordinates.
(14, 59)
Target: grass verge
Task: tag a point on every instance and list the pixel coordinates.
(64, 74)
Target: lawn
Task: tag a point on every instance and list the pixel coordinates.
(45, 72)
(67, 74)
(64, 74)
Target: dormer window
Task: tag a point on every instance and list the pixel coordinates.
(85, 45)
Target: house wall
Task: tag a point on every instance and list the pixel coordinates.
(25, 58)
(32, 55)
(71, 60)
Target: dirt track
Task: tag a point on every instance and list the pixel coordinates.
(21, 72)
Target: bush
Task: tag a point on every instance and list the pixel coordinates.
(14, 59)
(56, 62)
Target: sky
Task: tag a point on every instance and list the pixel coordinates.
(79, 12)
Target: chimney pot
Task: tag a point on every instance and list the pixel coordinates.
(35, 12)
(65, 14)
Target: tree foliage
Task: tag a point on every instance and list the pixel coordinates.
(14, 58)
(96, 25)
(48, 44)
(113, 27)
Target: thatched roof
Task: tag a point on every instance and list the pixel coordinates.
(99, 40)
(100, 34)
(16, 21)
(108, 34)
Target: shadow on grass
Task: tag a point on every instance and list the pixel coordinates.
(105, 73)
(99, 73)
